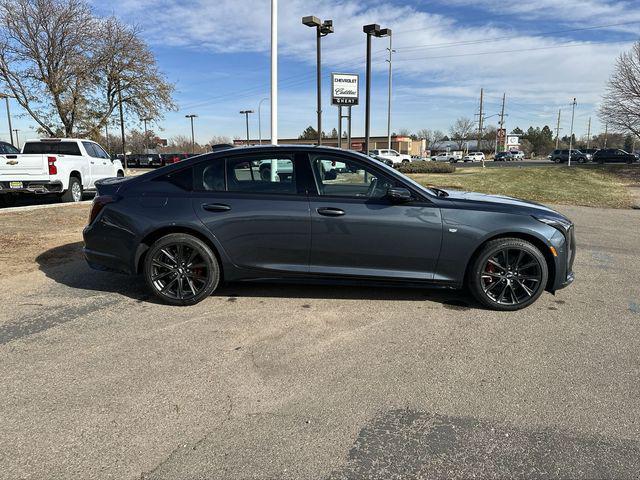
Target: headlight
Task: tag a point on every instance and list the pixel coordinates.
(558, 223)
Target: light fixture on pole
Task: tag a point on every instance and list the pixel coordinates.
(193, 137)
(246, 115)
(322, 30)
(375, 31)
(260, 120)
(6, 97)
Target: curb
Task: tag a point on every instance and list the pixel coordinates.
(28, 208)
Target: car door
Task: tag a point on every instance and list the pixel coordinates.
(96, 167)
(357, 230)
(259, 217)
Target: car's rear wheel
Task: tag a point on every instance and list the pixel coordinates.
(181, 269)
(508, 274)
(74, 192)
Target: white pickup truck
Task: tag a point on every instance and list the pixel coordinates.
(392, 155)
(451, 157)
(66, 167)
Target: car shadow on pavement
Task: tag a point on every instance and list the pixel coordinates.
(65, 265)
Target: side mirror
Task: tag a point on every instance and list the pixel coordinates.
(331, 174)
(399, 195)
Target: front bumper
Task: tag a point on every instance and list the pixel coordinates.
(40, 187)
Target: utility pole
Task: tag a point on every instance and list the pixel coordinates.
(573, 111)
(274, 80)
(17, 138)
(480, 120)
(124, 149)
(606, 133)
(193, 137)
(588, 133)
(246, 114)
(106, 136)
(504, 95)
(558, 130)
(391, 51)
(6, 98)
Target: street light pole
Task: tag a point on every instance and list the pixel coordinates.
(193, 137)
(322, 30)
(573, 111)
(146, 143)
(246, 114)
(6, 98)
(370, 30)
(17, 138)
(260, 120)
(274, 75)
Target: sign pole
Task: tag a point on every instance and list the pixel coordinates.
(339, 126)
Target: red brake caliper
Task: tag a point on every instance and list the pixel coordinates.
(490, 268)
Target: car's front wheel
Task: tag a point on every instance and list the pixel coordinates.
(508, 274)
(181, 269)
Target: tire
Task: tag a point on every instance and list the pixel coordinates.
(120, 174)
(556, 160)
(405, 161)
(172, 279)
(523, 278)
(74, 192)
(265, 174)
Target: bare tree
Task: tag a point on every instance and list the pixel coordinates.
(621, 103)
(460, 131)
(70, 70)
(218, 139)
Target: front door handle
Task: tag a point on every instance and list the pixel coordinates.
(330, 212)
(216, 207)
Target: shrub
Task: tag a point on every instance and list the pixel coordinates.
(427, 166)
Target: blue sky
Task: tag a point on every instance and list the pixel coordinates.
(541, 54)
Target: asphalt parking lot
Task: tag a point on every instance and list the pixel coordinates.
(267, 381)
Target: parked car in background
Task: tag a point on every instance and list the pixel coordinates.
(386, 161)
(221, 220)
(451, 157)
(614, 155)
(474, 157)
(392, 155)
(66, 167)
(503, 157)
(517, 154)
(562, 156)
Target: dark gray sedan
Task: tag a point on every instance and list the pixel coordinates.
(318, 213)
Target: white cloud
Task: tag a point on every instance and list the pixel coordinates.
(438, 75)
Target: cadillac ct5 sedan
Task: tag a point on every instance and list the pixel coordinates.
(319, 213)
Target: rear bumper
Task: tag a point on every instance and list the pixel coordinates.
(40, 187)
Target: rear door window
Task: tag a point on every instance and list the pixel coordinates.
(260, 174)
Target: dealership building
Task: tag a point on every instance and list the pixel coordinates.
(399, 143)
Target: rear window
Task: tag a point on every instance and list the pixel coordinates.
(53, 148)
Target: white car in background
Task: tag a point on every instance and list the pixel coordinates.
(63, 166)
(451, 157)
(392, 155)
(474, 157)
(517, 154)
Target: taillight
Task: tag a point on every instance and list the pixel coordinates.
(51, 161)
(99, 203)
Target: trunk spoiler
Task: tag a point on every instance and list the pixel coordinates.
(110, 186)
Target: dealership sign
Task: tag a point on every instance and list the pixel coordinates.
(344, 89)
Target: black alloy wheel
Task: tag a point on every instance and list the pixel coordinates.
(181, 269)
(509, 274)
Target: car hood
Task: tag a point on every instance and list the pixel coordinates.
(500, 202)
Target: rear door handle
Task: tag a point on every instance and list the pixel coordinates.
(330, 212)
(216, 207)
